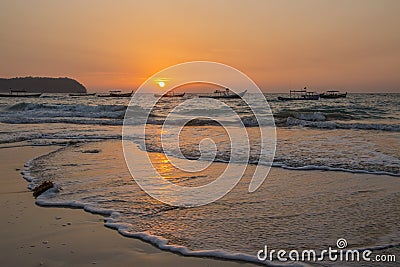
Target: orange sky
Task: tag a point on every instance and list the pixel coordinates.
(351, 45)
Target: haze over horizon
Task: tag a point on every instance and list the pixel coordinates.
(352, 46)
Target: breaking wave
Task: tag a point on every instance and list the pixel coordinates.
(339, 125)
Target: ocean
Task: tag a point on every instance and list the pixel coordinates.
(335, 173)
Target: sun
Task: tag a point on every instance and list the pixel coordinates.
(161, 84)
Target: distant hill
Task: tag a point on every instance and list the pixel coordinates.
(42, 85)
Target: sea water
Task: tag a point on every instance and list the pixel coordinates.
(335, 171)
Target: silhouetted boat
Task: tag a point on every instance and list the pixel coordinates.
(170, 94)
(300, 95)
(20, 93)
(332, 94)
(227, 93)
(82, 94)
(116, 93)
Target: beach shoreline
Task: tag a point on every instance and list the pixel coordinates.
(40, 236)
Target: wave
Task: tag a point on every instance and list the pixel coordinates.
(86, 108)
(313, 120)
(162, 244)
(47, 200)
(333, 112)
(64, 110)
(327, 118)
(113, 221)
(288, 163)
(328, 168)
(339, 125)
(72, 120)
(247, 122)
(309, 116)
(58, 138)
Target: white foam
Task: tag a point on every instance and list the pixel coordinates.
(327, 168)
(310, 116)
(339, 125)
(162, 243)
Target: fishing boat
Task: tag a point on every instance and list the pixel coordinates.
(82, 94)
(300, 95)
(20, 93)
(170, 94)
(227, 93)
(333, 94)
(116, 93)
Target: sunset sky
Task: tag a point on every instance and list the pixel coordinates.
(351, 45)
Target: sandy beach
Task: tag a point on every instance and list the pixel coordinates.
(37, 236)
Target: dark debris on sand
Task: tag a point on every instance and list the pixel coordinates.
(91, 151)
(43, 187)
